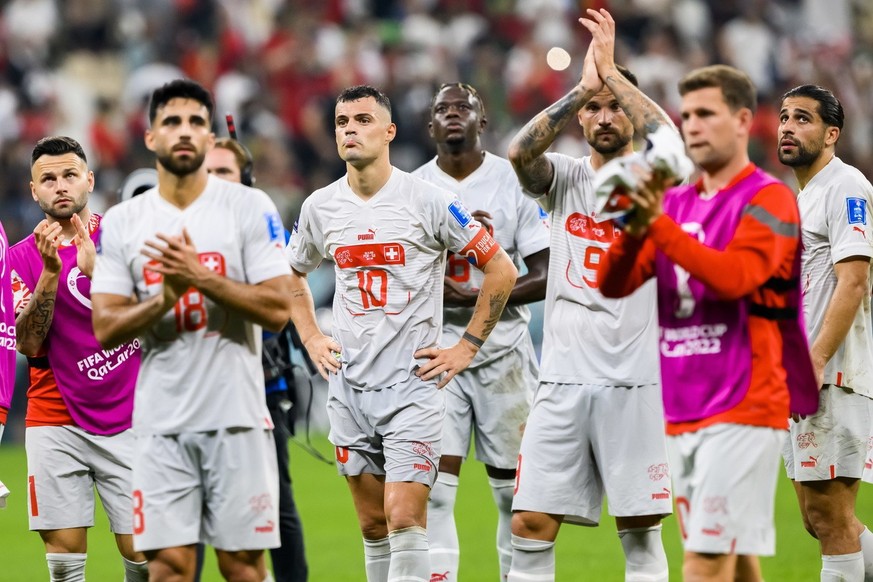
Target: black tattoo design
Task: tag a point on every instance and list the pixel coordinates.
(473, 339)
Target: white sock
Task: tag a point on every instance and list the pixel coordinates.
(377, 559)
(502, 490)
(843, 568)
(66, 567)
(135, 571)
(409, 557)
(442, 533)
(867, 549)
(645, 559)
(532, 560)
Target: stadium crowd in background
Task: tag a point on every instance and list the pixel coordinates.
(277, 65)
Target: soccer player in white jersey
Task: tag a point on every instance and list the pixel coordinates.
(492, 396)
(194, 267)
(596, 426)
(826, 453)
(387, 233)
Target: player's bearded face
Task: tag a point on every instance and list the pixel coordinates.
(802, 132)
(607, 128)
(181, 135)
(61, 184)
(180, 165)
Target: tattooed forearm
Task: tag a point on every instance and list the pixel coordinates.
(496, 304)
(644, 113)
(33, 323)
(528, 146)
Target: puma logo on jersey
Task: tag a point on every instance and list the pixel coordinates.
(369, 235)
(861, 230)
(663, 494)
(810, 464)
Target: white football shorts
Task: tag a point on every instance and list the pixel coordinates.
(585, 441)
(64, 464)
(724, 479)
(493, 401)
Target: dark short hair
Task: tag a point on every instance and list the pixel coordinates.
(180, 89)
(471, 91)
(359, 92)
(829, 107)
(236, 148)
(56, 145)
(625, 72)
(736, 86)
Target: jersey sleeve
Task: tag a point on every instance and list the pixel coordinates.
(463, 234)
(306, 247)
(21, 293)
(111, 273)
(766, 235)
(532, 234)
(546, 200)
(263, 239)
(849, 225)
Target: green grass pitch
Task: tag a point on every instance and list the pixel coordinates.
(333, 544)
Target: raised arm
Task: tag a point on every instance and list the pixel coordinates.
(321, 348)
(528, 147)
(644, 113)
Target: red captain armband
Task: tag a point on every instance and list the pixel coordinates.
(481, 249)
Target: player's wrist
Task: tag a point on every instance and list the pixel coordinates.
(472, 342)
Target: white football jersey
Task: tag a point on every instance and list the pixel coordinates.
(201, 366)
(519, 227)
(588, 338)
(389, 254)
(835, 222)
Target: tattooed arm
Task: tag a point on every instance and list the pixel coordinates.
(500, 276)
(33, 323)
(528, 147)
(644, 113)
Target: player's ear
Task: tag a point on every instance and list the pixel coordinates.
(483, 123)
(430, 129)
(832, 135)
(149, 139)
(390, 133)
(90, 181)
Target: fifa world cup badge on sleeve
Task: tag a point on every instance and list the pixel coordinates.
(461, 214)
(274, 225)
(856, 209)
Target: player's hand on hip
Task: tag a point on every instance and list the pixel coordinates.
(86, 252)
(326, 353)
(485, 219)
(48, 240)
(448, 361)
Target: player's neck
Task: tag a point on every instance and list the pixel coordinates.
(805, 174)
(718, 178)
(181, 191)
(367, 180)
(460, 164)
(598, 159)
